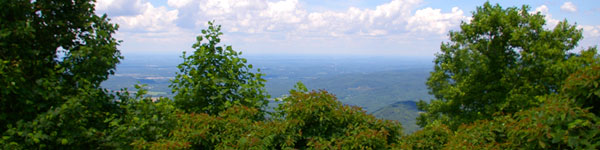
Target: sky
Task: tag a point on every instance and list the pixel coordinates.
(352, 27)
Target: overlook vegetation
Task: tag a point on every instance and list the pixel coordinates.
(503, 81)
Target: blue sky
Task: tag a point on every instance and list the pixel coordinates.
(354, 27)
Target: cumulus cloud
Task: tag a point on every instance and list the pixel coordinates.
(432, 20)
(250, 16)
(143, 24)
(151, 19)
(138, 15)
(568, 7)
(279, 20)
(119, 7)
(178, 3)
(550, 22)
(385, 18)
(289, 16)
(591, 34)
(590, 31)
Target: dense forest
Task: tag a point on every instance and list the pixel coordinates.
(502, 81)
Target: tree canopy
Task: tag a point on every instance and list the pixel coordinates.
(215, 78)
(498, 63)
(53, 56)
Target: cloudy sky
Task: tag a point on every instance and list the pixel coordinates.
(359, 27)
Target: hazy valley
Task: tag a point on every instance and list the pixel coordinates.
(384, 86)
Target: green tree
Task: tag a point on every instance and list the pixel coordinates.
(305, 120)
(498, 63)
(215, 78)
(320, 121)
(142, 119)
(53, 56)
(81, 122)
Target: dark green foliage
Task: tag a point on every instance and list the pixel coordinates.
(325, 122)
(142, 119)
(233, 128)
(434, 136)
(53, 56)
(33, 77)
(305, 120)
(214, 78)
(556, 124)
(78, 123)
(499, 63)
(583, 88)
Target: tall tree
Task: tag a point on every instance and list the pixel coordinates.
(215, 78)
(49, 50)
(498, 63)
(53, 56)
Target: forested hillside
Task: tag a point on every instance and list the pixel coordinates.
(503, 81)
(372, 91)
(405, 112)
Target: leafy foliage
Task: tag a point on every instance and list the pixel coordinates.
(305, 119)
(78, 123)
(33, 77)
(142, 119)
(582, 87)
(556, 124)
(434, 136)
(214, 78)
(325, 122)
(499, 63)
(562, 121)
(53, 56)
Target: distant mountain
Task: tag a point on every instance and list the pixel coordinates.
(375, 90)
(405, 112)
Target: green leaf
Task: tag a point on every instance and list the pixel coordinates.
(64, 141)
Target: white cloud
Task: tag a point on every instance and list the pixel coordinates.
(590, 31)
(178, 3)
(432, 20)
(550, 22)
(285, 11)
(144, 26)
(280, 20)
(285, 17)
(568, 7)
(138, 15)
(385, 18)
(151, 19)
(290, 18)
(591, 36)
(119, 7)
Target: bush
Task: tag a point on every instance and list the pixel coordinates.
(434, 136)
(556, 124)
(304, 120)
